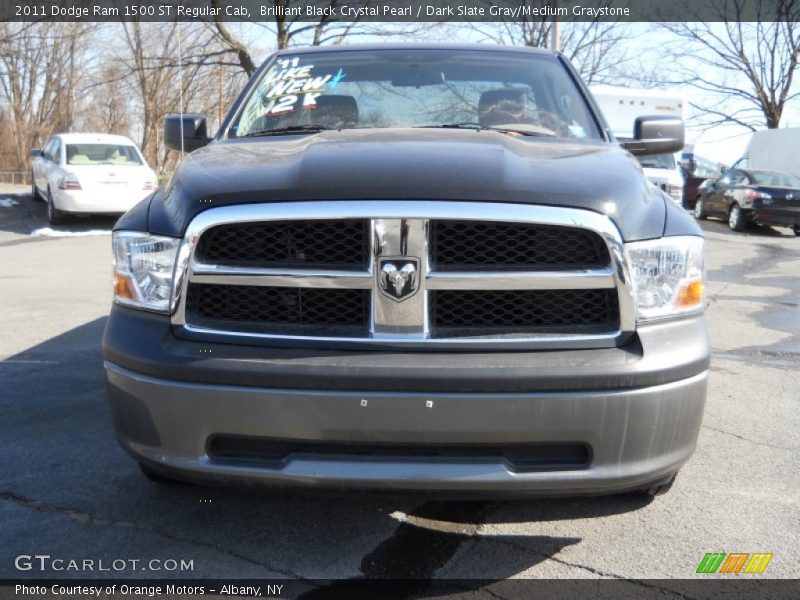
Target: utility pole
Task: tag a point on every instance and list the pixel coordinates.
(221, 96)
(555, 33)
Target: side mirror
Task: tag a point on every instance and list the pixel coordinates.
(722, 169)
(35, 153)
(193, 129)
(656, 134)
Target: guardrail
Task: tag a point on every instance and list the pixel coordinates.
(14, 177)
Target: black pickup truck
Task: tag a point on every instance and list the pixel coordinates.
(411, 267)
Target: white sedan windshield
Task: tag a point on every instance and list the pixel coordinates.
(102, 154)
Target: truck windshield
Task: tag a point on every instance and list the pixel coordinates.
(531, 93)
(658, 161)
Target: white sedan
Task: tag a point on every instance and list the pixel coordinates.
(89, 173)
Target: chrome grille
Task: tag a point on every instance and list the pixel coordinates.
(534, 276)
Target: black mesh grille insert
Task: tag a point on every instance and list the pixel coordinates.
(460, 313)
(333, 244)
(291, 311)
(495, 245)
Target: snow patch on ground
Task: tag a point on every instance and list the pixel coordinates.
(50, 232)
(8, 203)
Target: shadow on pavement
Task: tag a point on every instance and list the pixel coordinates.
(28, 215)
(75, 492)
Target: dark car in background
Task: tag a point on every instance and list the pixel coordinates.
(751, 196)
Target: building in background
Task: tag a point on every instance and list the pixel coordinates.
(622, 105)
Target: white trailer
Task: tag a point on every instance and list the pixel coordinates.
(622, 105)
(773, 149)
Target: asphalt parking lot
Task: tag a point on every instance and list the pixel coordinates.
(67, 489)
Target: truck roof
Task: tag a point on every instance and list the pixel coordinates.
(415, 46)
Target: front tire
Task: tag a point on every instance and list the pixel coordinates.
(700, 210)
(736, 218)
(54, 216)
(796, 230)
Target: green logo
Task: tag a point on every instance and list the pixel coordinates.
(734, 562)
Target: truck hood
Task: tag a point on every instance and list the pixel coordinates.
(418, 164)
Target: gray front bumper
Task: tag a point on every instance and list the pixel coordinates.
(637, 435)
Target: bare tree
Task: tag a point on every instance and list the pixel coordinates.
(170, 70)
(747, 69)
(109, 100)
(236, 47)
(39, 72)
(147, 55)
(594, 47)
(288, 29)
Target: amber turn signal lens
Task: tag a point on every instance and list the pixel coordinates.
(690, 294)
(122, 287)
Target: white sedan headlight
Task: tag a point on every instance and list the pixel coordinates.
(143, 269)
(668, 276)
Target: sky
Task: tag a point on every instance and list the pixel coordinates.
(725, 143)
(722, 143)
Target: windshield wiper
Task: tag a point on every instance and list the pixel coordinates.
(520, 128)
(289, 130)
(465, 125)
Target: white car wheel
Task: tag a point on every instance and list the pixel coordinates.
(34, 191)
(54, 216)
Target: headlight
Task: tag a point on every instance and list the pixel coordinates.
(143, 268)
(668, 276)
